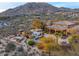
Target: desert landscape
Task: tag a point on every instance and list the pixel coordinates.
(39, 29)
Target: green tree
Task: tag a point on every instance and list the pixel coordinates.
(31, 42)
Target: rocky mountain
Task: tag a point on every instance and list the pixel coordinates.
(35, 8)
(30, 8)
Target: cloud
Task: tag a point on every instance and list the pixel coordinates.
(1, 10)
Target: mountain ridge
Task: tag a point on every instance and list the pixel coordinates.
(35, 8)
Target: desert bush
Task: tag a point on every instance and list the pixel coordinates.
(73, 37)
(10, 47)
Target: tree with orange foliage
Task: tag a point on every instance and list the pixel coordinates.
(48, 44)
(37, 24)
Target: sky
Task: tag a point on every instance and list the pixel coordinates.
(7, 5)
(65, 4)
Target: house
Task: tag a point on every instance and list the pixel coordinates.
(57, 27)
(64, 23)
(60, 26)
(36, 32)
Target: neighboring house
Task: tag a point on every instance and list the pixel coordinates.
(37, 33)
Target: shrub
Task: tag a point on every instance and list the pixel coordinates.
(31, 42)
(10, 47)
(33, 37)
(40, 46)
(73, 37)
(20, 49)
(43, 39)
